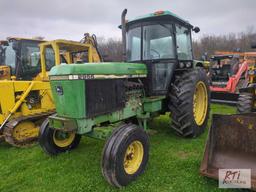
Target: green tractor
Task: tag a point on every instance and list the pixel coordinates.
(115, 101)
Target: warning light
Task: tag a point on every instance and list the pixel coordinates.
(159, 13)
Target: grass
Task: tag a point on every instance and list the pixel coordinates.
(173, 166)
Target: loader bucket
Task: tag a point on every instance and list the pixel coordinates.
(231, 144)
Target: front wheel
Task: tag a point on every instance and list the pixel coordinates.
(125, 155)
(245, 103)
(55, 141)
(189, 103)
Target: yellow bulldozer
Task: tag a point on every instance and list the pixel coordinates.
(231, 143)
(25, 96)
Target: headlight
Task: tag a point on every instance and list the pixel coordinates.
(59, 90)
(188, 64)
(182, 65)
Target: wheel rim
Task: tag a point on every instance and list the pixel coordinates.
(133, 157)
(25, 130)
(200, 103)
(63, 139)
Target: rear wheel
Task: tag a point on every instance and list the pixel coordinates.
(245, 103)
(190, 103)
(125, 155)
(55, 141)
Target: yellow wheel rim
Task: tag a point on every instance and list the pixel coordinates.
(200, 103)
(63, 139)
(25, 130)
(133, 157)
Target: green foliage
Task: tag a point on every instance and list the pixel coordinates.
(173, 166)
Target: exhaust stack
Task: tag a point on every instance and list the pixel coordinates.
(124, 33)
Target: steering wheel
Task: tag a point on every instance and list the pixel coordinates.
(156, 52)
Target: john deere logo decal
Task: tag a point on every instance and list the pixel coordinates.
(59, 90)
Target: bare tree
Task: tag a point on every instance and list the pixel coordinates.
(111, 49)
(230, 42)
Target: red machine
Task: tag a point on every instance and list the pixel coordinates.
(228, 73)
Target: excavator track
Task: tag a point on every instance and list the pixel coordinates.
(9, 130)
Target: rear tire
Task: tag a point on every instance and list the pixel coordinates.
(245, 103)
(53, 145)
(125, 155)
(189, 103)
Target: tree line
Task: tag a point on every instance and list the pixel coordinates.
(240, 42)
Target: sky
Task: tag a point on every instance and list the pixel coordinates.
(70, 19)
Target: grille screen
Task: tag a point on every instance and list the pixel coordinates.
(104, 96)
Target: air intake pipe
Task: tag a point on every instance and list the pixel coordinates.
(124, 33)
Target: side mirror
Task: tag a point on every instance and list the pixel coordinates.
(196, 29)
(253, 45)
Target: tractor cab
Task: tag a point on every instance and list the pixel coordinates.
(21, 57)
(162, 41)
(66, 51)
(223, 67)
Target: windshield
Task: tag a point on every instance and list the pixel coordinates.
(183, 40)
(30, 58)
(30, 55)
(158, 42)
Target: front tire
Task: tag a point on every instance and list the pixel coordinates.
(245, 103)
(54, 141)
(189, 103)
(125, 155)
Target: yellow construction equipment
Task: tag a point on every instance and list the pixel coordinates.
(26, 99)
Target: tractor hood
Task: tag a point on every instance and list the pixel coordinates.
(91, 69)
(80, 88)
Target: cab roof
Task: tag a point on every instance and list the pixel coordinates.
(67, 45)
(27, 39)
(159, 15)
